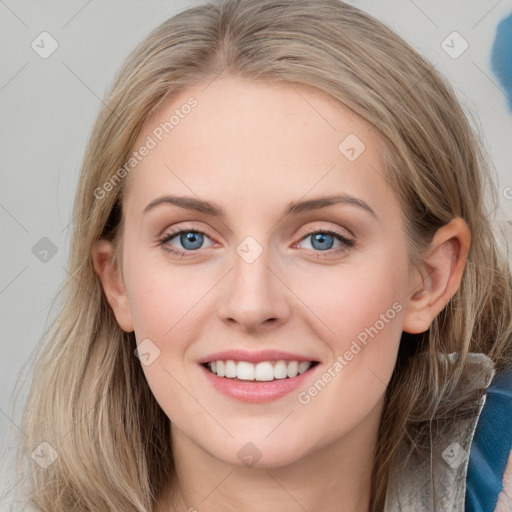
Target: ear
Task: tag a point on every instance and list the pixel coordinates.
(439, 278)
(112, 282)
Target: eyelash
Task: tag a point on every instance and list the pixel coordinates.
(347, 243)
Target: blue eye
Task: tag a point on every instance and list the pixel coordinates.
(323, 240)
(192, 240)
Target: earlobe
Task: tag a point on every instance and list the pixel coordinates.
(440, 276)
(112, 283)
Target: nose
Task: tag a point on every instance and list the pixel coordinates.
(255, 296)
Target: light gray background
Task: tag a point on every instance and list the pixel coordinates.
(48, 107)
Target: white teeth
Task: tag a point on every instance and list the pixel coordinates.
(230, 369)
(281, 370)
(293, 369)
(303, 366)
(264, 371)
(245, 371)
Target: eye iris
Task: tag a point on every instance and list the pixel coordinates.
(191, 236)
(321, 237)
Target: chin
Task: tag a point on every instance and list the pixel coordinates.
(262, 454)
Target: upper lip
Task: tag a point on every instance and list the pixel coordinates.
(254, 357)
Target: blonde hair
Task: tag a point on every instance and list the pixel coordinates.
(89, 395)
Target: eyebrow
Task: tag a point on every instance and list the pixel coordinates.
(293, 208)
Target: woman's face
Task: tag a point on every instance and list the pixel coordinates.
(266, 274)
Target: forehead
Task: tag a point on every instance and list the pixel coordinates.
(260, 142)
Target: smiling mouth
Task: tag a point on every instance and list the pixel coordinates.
(265, 371)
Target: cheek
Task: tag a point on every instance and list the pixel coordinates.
(154, 308)
(362, 309)
(353, 300)
(162, 296)
(163, 310)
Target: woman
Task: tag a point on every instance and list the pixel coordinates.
(327, 340)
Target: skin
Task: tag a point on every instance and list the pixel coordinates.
(252, 148)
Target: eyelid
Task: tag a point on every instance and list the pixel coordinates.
(317, 227)
(303, 232)
(172, 233)
(186, 227)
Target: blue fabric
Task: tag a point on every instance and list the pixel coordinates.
(491, 446)
(501, 57)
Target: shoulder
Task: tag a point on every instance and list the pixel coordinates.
(489, 483)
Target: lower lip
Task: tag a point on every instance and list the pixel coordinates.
(255, 391)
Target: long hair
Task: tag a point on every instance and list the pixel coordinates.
(89, 399)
